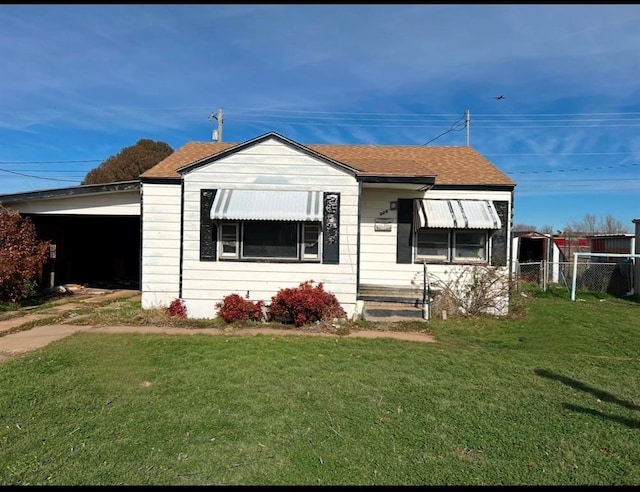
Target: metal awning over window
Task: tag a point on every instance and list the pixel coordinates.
(456, 214)
(267, 205)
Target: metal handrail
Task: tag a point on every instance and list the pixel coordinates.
(426, 292)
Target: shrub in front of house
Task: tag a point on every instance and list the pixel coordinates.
(305, 304)
(22, 256)
(177, 309)
(236, 308)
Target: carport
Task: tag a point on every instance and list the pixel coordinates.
(94, 232)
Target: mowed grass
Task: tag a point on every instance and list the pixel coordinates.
(550, 397)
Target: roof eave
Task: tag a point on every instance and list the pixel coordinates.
(95, 189)
(396, 179)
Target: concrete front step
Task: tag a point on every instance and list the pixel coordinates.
(391, 311)
(390, 294)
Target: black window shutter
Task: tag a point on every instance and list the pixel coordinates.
(499, 237)
(208, 230)
(331, 228)
(404, 245)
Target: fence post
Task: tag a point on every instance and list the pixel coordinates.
(575, 274)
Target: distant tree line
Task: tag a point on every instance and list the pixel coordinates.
(130, 163)
(588, 226)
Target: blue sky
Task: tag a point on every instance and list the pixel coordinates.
(80, 83)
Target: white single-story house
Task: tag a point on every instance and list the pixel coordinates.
(255, 217)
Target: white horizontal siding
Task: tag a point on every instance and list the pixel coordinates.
(168, 226)
(161, 264)
(378, 248)
(157, 299)
(273, 166)
(152, 217)
(160, 190)
(114, 203)
(161, 277)
(154, 233)
(160, 282)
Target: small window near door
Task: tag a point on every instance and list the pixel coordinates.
(432, 245)
(470, 246)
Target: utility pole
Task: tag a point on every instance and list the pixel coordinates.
(466, 124)
(217, 134)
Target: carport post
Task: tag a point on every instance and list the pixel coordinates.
(52, 273)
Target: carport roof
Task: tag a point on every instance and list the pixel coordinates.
(70, 191)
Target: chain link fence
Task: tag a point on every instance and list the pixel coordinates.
(611, 278)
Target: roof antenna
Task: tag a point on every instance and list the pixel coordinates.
(216, 134)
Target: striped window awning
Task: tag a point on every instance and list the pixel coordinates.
(267, 205)
(456, 214)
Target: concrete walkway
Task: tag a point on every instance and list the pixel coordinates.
(16, 338)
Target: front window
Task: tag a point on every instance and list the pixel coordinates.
(273, 240)
(458, 246)
(269, 240)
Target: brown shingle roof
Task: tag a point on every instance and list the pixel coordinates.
(187, 154)
(450, 165)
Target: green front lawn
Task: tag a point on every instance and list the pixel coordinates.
(551, 397)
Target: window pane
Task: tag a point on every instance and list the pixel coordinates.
(229, 238)
(433, 243)
(470, 245)
(270, 239)
(310, 240)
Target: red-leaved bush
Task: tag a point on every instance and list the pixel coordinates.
(177, 309)
(21, 256)
(305, 304)
(236, 308)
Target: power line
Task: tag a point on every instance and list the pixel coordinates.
(578, 180)
(57, 171)
(453, 128)
(562, 153)
(306, 124)
(613, 166)
(50, 162)
(38, 177)
(404, 123)
(432, 114)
